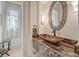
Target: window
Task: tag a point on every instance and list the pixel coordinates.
(13, 20)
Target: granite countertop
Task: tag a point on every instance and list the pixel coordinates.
(55, 48)
(60, 50)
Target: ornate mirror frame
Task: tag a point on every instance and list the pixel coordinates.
(64, 15)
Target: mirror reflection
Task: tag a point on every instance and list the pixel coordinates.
(56, 14)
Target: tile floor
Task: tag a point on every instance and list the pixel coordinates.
(16, 52)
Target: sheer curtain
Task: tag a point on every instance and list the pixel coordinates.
(13, 17)
(12, 23)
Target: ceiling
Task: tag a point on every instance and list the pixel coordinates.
(44, 2)
(17, 2)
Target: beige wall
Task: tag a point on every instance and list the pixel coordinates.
(30, 18)
(43, 9)
(0, 7)
(0, 33)
(0, 21)
(26, 39)
(70, 30)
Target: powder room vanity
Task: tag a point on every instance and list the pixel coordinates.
(55, 45)
(61, 48)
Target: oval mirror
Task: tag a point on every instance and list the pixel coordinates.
(57, 14)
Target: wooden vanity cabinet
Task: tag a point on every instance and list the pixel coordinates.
(65, 42)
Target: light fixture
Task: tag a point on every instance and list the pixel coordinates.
(42, 18)
(75, 5)
(75, 9)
